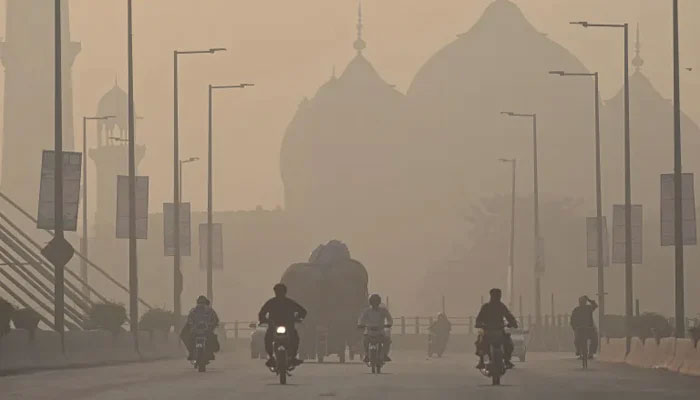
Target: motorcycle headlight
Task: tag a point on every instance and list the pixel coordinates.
(281, 330)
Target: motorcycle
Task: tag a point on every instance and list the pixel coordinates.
(375, 354)
(280, 344)
(495, 362)
(200, 356)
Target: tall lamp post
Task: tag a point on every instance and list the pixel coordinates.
(183, 162)
(677, 179)
(598, 192)
(511, 300)
(84, 241)
(177, 274)
(537, 240)
(629, 295)
(210, 185)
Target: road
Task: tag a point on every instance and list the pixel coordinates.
(411, 376)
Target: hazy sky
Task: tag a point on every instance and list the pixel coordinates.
(288, 49)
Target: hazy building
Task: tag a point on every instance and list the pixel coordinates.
(28, 58)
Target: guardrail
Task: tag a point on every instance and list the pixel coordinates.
(416, 325)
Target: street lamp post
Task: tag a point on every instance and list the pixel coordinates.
(629, 295)
(177, 274)
(677, 179)
(598, 193)
(210, 185)
(537, 239)
(511, 300)
(84, 241)
(183, 162)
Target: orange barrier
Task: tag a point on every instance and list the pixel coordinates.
(691, 364)
(665, 353)
(613, 350)
(684, 350)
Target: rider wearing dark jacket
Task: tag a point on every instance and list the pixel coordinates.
(281, 310)
(491, 318)
(583, 324)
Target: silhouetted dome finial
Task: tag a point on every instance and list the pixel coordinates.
(359, 44)
(638, 61)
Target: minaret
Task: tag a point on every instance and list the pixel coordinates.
(359, 44)
(637, 61)
(27, 55)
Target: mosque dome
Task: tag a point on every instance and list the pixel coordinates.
(502, 64)
(338, 147)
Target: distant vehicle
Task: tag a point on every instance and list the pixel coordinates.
(520, 338)
(257, 341)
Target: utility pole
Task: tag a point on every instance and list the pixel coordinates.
(511, 267)
(678, 181)
(133, 266)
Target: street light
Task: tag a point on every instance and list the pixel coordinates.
(511, 303)
(538, 239)
(629, 296)
(177, 275)
(677, 179)
(84, 241)
(210, 185)
(598, 193)
(183, 162)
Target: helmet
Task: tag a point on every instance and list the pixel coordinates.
(203, 300)
(280, 289)
(495, 293)
(375, 300)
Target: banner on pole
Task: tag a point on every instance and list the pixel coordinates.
(668, 222)
(169, 229)
(592, 242)
(123, 207)
(72, 164)
(217, 246)
(619, 234)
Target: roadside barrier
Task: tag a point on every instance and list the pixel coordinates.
(684, 350)
(636, 354)
(691, 364)
(665, 353)
(613, 350)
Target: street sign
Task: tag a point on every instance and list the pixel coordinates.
(58, 251)
(619, 234)
(668, 222)
(592, 242)
(72, 163)
(169, 229)
(123, 207)
(218, 246)
(539, 263)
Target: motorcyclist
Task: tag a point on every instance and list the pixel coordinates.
(201, 319)
(440, 330)
(375, 316)
(582, 323)
(281, 310)
(491, 318)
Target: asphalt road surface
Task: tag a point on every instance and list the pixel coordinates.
(411, 376)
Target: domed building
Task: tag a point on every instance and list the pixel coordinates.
(502, 64)
(340, 155)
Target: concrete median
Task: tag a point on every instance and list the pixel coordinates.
(691, 364)
(613, 350)
(636, 355)
(684, 349)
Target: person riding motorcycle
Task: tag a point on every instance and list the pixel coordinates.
(201, 317)
(582, 323)
(491, 318)
(375, 316)
(440, 330)
(281, 310)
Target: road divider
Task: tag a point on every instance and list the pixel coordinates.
(676, 355)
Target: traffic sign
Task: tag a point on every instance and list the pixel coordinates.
(592, 242)
(619, 244)
(58, 251)
(123, 207)
(668, 206)
(217, 247)
(71, 190)
(169, 229)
